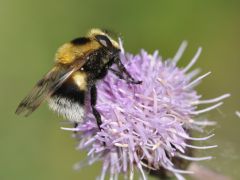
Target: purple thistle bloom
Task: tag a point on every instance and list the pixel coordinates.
(145, 126)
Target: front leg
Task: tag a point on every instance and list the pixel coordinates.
(117, 73)
(127, 79)
(93, 94)
(122, 71)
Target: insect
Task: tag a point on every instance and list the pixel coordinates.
(79, 64)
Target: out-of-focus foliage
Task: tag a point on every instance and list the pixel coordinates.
(30, 33)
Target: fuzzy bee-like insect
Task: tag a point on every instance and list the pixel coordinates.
(79, 64)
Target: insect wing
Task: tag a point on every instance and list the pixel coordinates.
(47, 86)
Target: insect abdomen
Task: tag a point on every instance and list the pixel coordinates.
(70, 110)
(69, 99)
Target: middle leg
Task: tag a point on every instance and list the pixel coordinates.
(93, 94)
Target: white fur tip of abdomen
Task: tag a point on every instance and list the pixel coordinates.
(70, 110)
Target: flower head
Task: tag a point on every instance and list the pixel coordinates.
(145, 126)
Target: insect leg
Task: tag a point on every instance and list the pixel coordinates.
(117, 73)
(75, 125)
(93, 93)
(123, 70)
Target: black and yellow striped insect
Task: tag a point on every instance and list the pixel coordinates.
(79, 64)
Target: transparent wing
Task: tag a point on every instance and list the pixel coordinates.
(47, 86)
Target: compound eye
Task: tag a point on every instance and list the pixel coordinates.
(103, 40)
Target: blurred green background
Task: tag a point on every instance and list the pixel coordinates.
(31, 31)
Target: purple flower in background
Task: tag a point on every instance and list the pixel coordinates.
(238, 113)
(145, 126)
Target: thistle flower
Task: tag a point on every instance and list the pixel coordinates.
(146, 126)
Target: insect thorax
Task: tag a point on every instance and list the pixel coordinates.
(98, 64)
